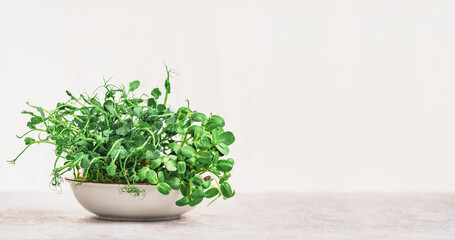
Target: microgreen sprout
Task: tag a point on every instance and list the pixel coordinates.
(111, 136)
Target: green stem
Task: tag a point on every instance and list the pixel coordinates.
(75, 162)
(165, 99)
(43, 141)
(113, 145)
(41, 130)
(151, 134)
(74, 116)
(219, 194)
(183, 140)
(55, 162)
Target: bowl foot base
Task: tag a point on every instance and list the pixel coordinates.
(138, 219)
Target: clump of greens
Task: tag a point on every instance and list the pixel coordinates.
(115, 137)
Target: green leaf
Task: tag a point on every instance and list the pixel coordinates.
(156, 93)
(167, 85)
(40, 110)
(215, 136)
(134, 85)
(36, 120)
(181, 167)
(226, 138)
(163, 188)
(175, 147)
(164, 158)
(180, 131)
(206, 141)
(197, 193)
(95, 102)
(192, 174)
(206, 184)
(191, 161)
(226, 190)
(151, 155)
(198, 133)
(188, 151)
(182, 201)
(70, 94)
(151, 102)
(191, 129)
(79, 155)
(137, 111)
(211, 125)
(225, 177)
(170, 165)
(155, 163)
(223, 148)
(118, 152)
(111, 169)
(85, 163)
(199, 145)
(185, 188)
(219, 120)
(161, 107)
(136, 101)
(142, 174)
(123, 130)
(106, 133)
(138, 141)
(212, 192)
(29, 140)
(27, 112)
(196, 181)
(152, 177)
(171, 120)
(198, 117)
(194, 202)
(182, 113)
(161, 176)
(216, 156)
(224, 165)
(173, 182)
(204, 157)
(31, 125)
(214, 122)
(109, 106)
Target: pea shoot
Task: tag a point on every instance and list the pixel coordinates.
(111, 136)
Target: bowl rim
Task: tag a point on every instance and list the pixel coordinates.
(104, 183)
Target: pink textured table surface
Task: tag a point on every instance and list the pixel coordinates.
(247, 216)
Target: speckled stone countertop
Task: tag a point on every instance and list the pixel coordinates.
(47, 215)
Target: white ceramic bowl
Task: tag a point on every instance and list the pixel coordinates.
(106, 201)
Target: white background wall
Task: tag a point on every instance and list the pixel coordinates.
(322, 95)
